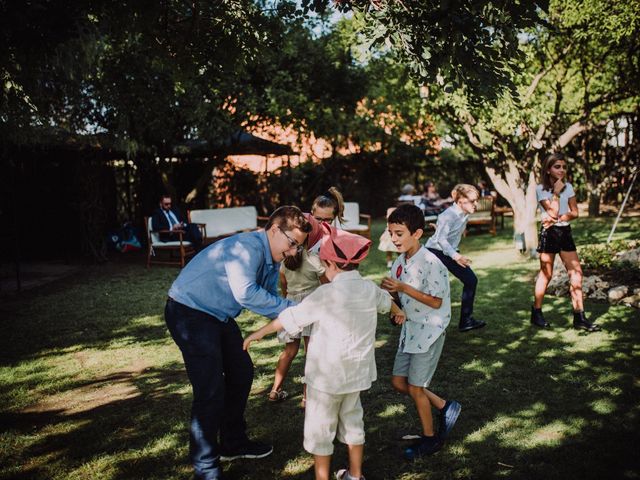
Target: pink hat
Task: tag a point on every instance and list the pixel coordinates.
(343, 247)
(316, 233)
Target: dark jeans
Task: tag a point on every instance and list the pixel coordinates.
(221, 373)
(468, 279)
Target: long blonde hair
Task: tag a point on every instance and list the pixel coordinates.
(331, 198)
(463, 190)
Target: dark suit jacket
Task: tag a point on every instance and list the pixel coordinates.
(159, 222)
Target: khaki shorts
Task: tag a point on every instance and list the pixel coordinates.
(327, 416)
(419, 368)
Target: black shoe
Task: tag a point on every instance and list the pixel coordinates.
(448, 417)
(423, 447)
(580, 322)
(537, 318)
(248, 450)
(470, 324)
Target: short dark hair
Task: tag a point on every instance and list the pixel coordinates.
(288, 218)
(408, 215)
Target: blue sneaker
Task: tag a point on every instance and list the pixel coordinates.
(423, 447)
(448, 417)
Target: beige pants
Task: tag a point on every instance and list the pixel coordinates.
(327, 416)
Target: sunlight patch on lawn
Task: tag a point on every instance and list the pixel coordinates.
(525, 432)
(392, 410)
(478, 366)
(100, 467)
(603, 406)
(553, 433)
(298, 465)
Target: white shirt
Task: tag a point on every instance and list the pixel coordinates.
(171, 218)
(449, 229)
(566, 193)
(344, 312)
(424, 272)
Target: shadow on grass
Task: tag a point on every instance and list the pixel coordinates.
(100, 306)
(132, 426)
(536, 404)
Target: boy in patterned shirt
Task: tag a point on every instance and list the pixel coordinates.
(421, 284)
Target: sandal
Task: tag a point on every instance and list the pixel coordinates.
(277, 395)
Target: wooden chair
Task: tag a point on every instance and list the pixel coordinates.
(352, 217)
(182, 248)
(485, 214)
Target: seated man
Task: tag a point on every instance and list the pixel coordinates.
(167, 218)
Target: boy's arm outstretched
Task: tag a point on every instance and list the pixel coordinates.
(271, 327)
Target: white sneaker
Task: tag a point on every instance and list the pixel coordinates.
(343, 474)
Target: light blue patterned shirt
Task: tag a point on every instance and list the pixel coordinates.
(424, 325)
(449, 230)
(231, 274)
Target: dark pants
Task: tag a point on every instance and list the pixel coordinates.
(468, 279)
(191, 234)
(221, 373)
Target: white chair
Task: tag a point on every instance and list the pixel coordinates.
(222, 222)
(352, 217)
(182, 247)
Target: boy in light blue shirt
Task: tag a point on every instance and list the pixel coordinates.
(421, 283)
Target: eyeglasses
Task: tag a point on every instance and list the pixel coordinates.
(292, 242)
(320, 219)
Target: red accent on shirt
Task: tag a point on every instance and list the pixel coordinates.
(398, 271)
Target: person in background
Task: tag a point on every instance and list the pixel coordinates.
(328, 207)
(431, 201)
(483, 189)
(167, 217)
(444, 245)
(558, 206)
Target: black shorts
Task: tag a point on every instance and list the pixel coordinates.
(556, 239)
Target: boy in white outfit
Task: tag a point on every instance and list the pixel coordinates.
(340, 361)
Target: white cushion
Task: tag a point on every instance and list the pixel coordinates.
(480, 216)
(355, 228)
(226, 221)
(352, 217)
(156, 242)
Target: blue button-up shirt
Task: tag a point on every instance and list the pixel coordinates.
(231, 274)
(449, 230)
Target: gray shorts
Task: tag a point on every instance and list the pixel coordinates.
(419, 367)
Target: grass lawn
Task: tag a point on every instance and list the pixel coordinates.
(91, 385)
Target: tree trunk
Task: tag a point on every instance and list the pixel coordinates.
(524, 205)
(594, 203)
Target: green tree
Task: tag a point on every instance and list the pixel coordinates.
(579, 75)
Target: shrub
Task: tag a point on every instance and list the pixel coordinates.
(603, 256)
